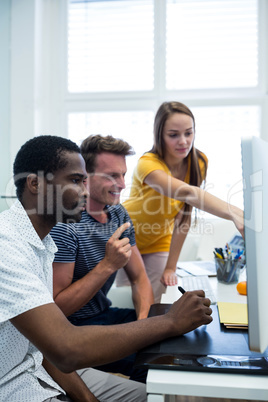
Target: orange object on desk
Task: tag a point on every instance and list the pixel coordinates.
(242, 287)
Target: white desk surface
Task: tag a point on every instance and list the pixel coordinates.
(217, 385)
(223, 292)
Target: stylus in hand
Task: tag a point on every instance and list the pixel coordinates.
(181, 290)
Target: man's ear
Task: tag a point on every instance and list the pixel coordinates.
(33, 183)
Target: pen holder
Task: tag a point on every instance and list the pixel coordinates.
(228, 270)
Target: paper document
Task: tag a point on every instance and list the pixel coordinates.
(196, 268)
(233, 315)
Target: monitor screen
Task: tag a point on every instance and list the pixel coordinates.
(255, 189)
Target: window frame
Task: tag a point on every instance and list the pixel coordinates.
(150, 100)
(39, 101)
(64, 103)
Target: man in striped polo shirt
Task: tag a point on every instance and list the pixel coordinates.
(92, 251)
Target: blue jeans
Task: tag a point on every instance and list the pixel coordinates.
(113, 316)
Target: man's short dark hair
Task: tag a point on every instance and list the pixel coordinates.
(41, 154)
(96, 144)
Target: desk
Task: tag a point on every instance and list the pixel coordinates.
(217, 385)
(222, 291)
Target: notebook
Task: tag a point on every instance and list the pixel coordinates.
(196, 268)
(233, 315)
(212, 348)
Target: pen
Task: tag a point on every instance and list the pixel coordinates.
(238, 254)
(181, 290)
(219, 251)
(217, 255)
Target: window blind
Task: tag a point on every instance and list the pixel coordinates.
(110, 45)
(208, 44)
(211, 44)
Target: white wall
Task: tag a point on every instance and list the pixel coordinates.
(4, 96)
(19, 83)
(30, 92)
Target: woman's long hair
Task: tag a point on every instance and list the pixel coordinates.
(163, 113)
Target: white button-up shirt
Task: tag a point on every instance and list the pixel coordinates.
(25, 283)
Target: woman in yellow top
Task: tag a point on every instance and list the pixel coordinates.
(166, 185)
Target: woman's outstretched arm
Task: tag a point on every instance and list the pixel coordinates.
(195, 196)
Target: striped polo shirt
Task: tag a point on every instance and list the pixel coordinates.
(84, 243)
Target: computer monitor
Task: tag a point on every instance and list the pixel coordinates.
(255, 189)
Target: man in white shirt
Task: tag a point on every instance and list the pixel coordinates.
(39, 349)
